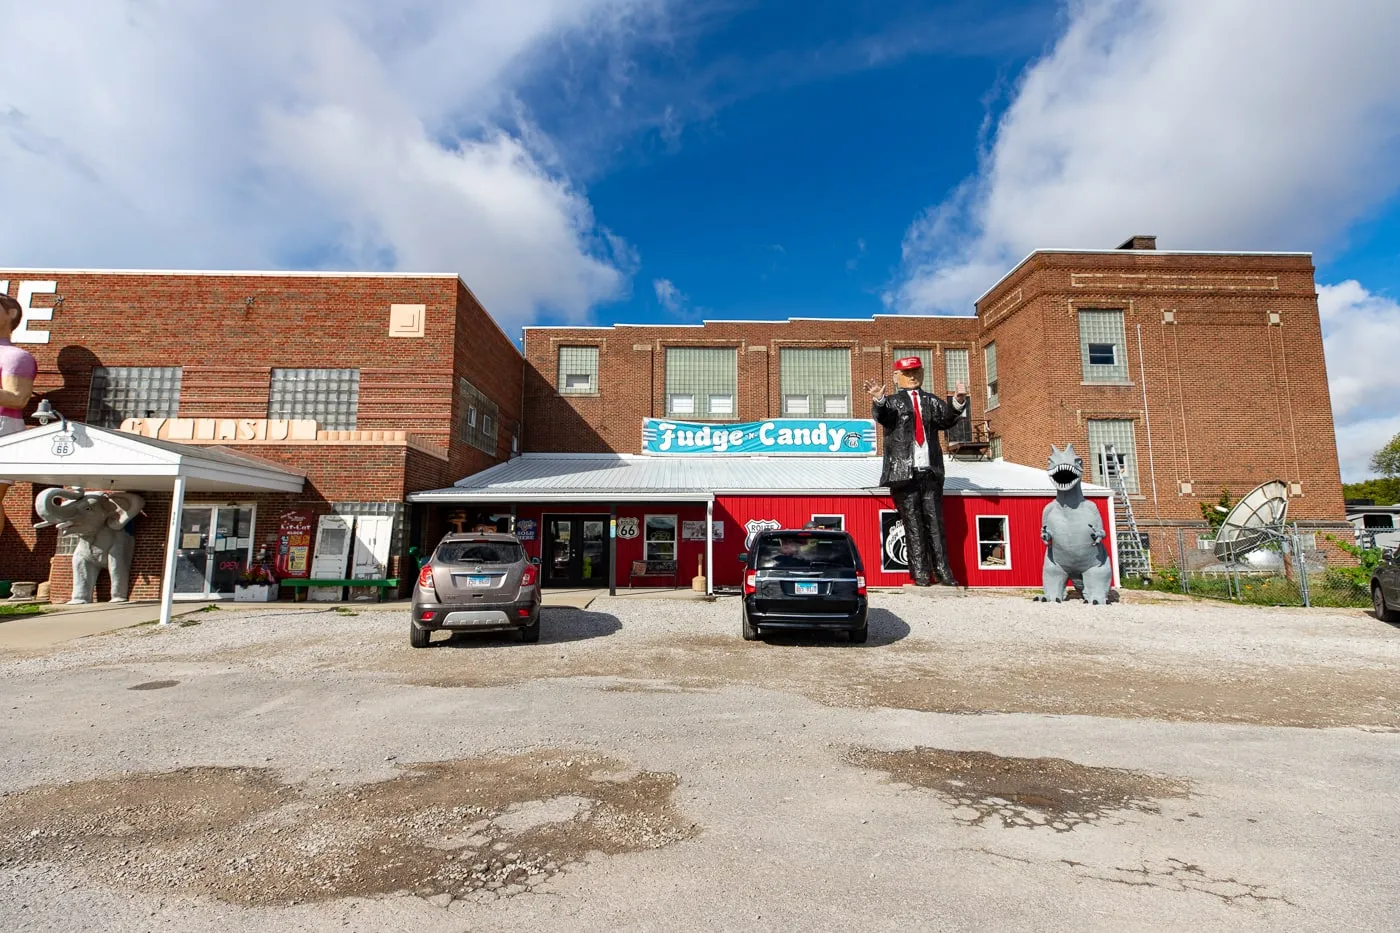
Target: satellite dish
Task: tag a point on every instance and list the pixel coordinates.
(1255, 519)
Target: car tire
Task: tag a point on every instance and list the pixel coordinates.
(1383, 612)
(530, 634)
(858, 636)
(418, 637)
(747, 629)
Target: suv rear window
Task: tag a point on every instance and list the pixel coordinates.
(801, 551)
(480, 552)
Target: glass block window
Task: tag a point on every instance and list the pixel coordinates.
(815, 382)
(1102, 346)
(122, 392)
(989, 357)
(925, 359)
(578, 370)
(1120, 434)
(956, 369)
(701, 382)
(478, 418)
(330, 397)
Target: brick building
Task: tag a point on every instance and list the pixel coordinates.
(1205, 371)
(370, 386)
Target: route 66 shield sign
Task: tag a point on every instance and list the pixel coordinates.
(62, 445)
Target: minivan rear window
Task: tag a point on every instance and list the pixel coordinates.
(801, 551)
(480, 552)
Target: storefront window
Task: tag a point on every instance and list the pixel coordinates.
(993, 545)
(834, 522)
(660, 538)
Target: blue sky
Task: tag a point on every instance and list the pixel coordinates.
(660, 160)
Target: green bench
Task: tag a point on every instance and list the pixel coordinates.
(381, 585)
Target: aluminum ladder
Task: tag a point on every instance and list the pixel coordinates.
(1132, 556)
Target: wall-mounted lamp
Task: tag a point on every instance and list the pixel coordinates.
(46, 413)
(58, 302)
(248, 303)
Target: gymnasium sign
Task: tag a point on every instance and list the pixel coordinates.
(664, 437)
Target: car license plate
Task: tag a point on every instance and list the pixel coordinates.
(478, 580)
(805, 589)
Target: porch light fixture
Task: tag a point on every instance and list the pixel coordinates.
(46, 413)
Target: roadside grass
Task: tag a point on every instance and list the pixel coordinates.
(21, 609)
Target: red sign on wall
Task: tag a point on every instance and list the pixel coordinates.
(294, 530)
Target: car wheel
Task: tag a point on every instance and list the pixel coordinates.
(530, 634)
(859, 635)
(749, 630)
(418, 637)
(1383, 612)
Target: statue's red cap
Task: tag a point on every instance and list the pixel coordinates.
(908, 362)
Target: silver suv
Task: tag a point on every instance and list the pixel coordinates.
(477, 583)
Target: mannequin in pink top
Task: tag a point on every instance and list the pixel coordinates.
(17, 370)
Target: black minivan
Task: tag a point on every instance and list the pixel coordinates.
(811, 579)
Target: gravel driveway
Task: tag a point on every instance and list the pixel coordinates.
(984, 762)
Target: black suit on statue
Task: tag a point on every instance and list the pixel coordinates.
(917, 492)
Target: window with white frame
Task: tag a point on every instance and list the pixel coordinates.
(925, 360)
(993, 543)
(815, 381)
(701, 382)
(659, 538)
(578, 370)
(479, 417)
(330, 397)
(832, 522)
(956, 368)
(989, 358)
(121, 392)
(1119, 433)
(1102, 346)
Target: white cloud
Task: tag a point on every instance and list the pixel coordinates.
(314, 133)
(671, 298)
(1215, 124)
(1362, 337)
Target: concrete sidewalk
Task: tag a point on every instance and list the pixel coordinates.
(65, 623)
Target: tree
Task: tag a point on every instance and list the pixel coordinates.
(1386, 461)
(1214, 512)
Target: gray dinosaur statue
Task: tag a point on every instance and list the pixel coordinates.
(98, 520)
(1073, 532)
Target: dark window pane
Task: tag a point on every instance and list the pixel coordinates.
(1102, 354)
(480, 552)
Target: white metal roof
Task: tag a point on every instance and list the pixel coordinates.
(633, 478)
(101, 459)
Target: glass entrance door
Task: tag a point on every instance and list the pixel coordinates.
(575, 550)
(216, 543)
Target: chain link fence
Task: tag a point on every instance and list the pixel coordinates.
(1287, 570)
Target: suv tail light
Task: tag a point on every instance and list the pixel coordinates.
(528, 576)
(860, 585)
(750, 583)
(425, 578)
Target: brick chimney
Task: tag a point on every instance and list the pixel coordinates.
(1139, 242)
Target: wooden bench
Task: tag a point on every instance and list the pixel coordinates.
(380, 585)
(654, 568)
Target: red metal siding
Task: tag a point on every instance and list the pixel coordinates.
(1027, 553)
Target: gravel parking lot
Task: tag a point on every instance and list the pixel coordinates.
(984, 762)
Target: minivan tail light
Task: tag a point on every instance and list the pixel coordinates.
(528, 575)
(425, 578)
(750, 584)
(860, 585)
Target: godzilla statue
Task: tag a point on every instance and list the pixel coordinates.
(1073, 532)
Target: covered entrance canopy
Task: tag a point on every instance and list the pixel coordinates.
(87, 457)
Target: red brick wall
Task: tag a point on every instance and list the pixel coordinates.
(632, 371)
(1233, 400)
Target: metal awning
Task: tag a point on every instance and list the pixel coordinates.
(631, 478)
(80, 455)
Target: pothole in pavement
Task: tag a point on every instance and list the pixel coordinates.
(1034, 792)
(154, 685)
(496, 826)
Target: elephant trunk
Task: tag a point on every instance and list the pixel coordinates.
(49, 505)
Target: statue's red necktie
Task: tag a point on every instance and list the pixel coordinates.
(918, 418)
